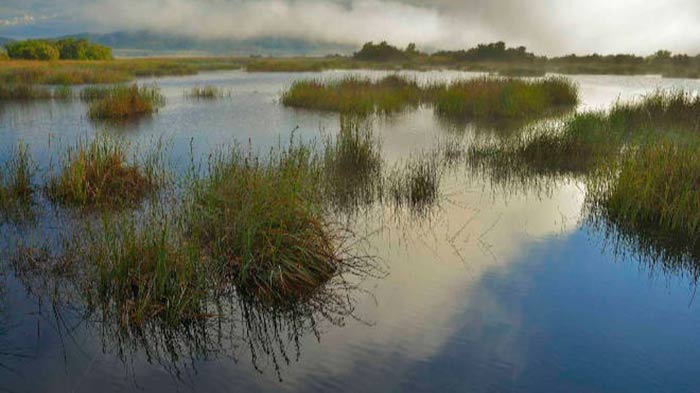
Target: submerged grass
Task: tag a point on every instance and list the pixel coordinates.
(99, 174)
(123, 102)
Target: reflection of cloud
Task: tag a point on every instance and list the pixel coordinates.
(435, 276)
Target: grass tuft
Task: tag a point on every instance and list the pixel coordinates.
(99, 174)
(124, 102)
(16, 184)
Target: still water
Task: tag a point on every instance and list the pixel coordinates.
(493, 290)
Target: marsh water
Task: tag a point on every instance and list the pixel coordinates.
(492, 289)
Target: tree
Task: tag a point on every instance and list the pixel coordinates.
(32, 50)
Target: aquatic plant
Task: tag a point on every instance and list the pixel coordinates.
(354, 95)
(261, 220)
(496, 98)
(24, 92)
(98, 174)
(124, 102)
(353, 164)
(17, 183)
(417, 182)
(653, 185)
(206, 92)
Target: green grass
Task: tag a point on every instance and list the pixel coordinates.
(353, 164)
(206, 92)
(588, 140)
(496, 98)
(17, 183)
(354, 95)
(262, 222)
(477, 99)
(99, 174)
(124, 102)
(653, 185)
(141, 268)
(417, 183)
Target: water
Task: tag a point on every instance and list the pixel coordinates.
(492, 291)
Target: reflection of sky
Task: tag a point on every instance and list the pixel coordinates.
(494, 294)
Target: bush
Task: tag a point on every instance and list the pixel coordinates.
(32, 50)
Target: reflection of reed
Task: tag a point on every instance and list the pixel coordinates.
(238, 322)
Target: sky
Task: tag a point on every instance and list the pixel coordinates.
(552, 27)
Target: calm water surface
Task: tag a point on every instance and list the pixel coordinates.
(493, 290)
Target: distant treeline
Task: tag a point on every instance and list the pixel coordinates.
(62, 49)
(498, 53)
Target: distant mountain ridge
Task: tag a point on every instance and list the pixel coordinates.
(154, 43)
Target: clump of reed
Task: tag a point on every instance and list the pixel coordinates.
(654, 185)
(16, 183)
(140, 269)
(417, 183)
(262, 221)
(99, 174)
(206, 92)
(125, 102)
(354, 95)
(353, 164)
(497, 98)
(588, 140)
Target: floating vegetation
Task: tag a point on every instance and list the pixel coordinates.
(124, 102)
(207, 92)
(17, 184)
(99, 174)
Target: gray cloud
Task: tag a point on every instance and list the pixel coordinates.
(546, 26)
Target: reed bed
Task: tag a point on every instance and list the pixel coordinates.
(478, 99)
(417, 183)
(496, 98)
(124, 102)
(100, 175)
(354, 95)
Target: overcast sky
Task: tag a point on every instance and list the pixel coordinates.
(551, 27)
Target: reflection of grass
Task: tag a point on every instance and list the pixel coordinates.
(16, 183)
(99, 174)
(124, 102)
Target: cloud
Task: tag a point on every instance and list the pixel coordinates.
(546, 26)
(17, 21)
